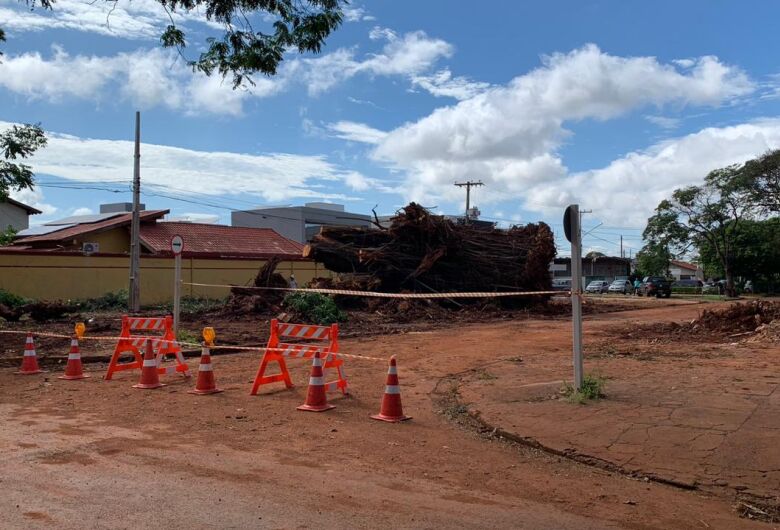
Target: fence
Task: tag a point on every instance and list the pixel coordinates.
(74, 276)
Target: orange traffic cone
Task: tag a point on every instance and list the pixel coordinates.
(316, 400)
(29, 361)
(205, 383)
(74, 370)
(149, 376)
(391, 409)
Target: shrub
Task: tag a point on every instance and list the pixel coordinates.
(11, 300)
(314, 307)
(592, 388)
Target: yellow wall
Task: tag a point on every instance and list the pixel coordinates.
(53, 277)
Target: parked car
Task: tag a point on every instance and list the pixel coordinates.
(688, 283)
(561, 285)
(718, 287)
(656, 286)
(597, 286)
(621, 286)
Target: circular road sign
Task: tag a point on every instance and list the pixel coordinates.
(177, 245)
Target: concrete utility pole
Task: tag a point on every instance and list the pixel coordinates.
(135, 227)
(468, 184)
(572, 226)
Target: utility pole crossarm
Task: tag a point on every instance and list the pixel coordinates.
(468, 185)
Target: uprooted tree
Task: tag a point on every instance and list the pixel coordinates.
(423, 252)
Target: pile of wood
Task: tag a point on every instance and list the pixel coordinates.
(247, 300)
(423, 252)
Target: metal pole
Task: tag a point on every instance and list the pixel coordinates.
(576, 295)
(135, 227)
(176, 293)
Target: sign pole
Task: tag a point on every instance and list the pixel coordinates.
(177, 245)
(576, 294)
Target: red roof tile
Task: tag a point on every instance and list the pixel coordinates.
(219, 240)
(684, 265)
(88, 228)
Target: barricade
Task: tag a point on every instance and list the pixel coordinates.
(276, 351)
(130, 341)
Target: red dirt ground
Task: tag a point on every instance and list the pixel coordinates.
(101, 454)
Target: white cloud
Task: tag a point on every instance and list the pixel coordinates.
(83, 211)
(664, 122)
(356, 132)
(627, 190)
(442, 84)
(33, 197)
(357, 14)
(509, 135)
(194, 217)
(271, 176)
(130, 19)
(147, 78)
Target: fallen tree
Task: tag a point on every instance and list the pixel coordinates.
(423, 252)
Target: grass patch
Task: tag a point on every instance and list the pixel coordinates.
(189, 336)
(484, 375)
(592, 388)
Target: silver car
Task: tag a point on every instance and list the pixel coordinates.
(597, 286)
(621, 286)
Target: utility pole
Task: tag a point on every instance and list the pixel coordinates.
(621, 246)
(574, 235)
(468, 184)
(135, 226)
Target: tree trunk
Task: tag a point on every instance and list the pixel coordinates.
(730, 290)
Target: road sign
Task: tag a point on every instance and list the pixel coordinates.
(567, 222)
(177, 245)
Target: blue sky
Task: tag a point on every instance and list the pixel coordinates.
(609, 104)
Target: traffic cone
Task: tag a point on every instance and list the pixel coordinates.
(391, 409)
(205, 383)
(29, 361)
(74, 370)
(149, 376)
(316, 400)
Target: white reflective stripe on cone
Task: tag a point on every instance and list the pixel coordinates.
(317, 361)
(392, 389)
(205, 368)
(393, 370)
(150, 363)
(74, 356)
(29, 353)
(316, 381)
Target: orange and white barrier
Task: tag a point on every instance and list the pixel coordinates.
(74, 368)
(276, 351)
(29, 360)
(161, 345)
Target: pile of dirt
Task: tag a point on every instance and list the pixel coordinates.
(423, 252)
(738, 318)
(754, 321)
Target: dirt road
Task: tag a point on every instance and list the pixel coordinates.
(95, 454)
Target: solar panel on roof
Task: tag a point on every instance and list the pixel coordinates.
(42, 230)
(84, 219)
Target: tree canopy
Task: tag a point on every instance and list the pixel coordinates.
(18, 142)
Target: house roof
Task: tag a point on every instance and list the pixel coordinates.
(70, 231)
(208, 240)
(684, 265)
(30, 209)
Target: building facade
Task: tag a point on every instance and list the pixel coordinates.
(15, 214)
(605, 268)
(299, 223)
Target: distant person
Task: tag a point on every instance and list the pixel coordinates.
(637, 286)
(293, 283)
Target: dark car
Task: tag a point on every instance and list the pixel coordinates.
(656, 286)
